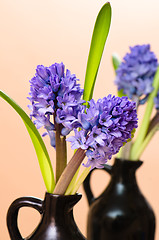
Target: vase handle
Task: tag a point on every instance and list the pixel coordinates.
(86, 183)
(12, 215)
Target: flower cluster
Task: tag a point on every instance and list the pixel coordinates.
(135, 74)
(56, 104)
(105, 126)
(55, 94)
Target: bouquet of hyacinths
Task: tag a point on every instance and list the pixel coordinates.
(137, 76)
(60, 106)
(100, 129)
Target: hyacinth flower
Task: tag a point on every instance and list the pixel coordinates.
(104, 127)
(60, 106)
(57, 105)
(137, 76)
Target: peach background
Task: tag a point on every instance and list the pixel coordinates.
(43, 32)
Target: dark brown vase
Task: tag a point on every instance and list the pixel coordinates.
(57, 222)
(121, 212)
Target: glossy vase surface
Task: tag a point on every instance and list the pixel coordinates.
(57, 221)
(121, 212)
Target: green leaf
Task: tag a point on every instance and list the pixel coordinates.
(116, 61)
(100, 33)
(40, 148)
(121, 93)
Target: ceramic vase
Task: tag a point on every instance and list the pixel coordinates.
(57, 221)
(121, 211)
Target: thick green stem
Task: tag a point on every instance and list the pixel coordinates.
(147, 140)
(125, 151)
(154, 122)
(153, 127)
(72, 183)
(69, 172)
(61, 152)
(146, 119)
(80, 180)
(142, 130)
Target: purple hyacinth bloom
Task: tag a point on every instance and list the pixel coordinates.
(79, 140)
(55, 97)
(136, 72)
(95, 160)
(96, 136)
(156, 101)
(109, 128)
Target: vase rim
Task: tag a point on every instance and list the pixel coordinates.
(79, 195)
(127, 163)
(127, 160)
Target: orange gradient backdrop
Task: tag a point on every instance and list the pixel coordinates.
(43, 32)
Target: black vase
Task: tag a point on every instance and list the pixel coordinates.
(57, 222)
(121, 212)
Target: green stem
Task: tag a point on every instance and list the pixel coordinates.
(61, 152)
(72, 183)
(154, 122)
(80, 180)
(119, 154)
(146, 119)
(146, 141)
(125, 151)
(69, 172)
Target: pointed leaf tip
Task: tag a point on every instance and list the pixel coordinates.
(116, 61)
(100, 34)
